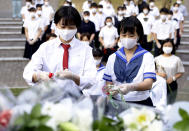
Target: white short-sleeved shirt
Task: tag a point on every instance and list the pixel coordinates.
(171, 65)
(47, 11)
(158, 93)
(24, 11)
(86, 6)
(154, 12)
(109, 34)
(33, 27)
(175, 26)
(132, 9)
(109, 11)
(182, 9)
(49, 58)
(162, 29)
(96, 20)
(102, 18)
(44, 22)
(178, 17)
(146, 71)
(147, 25)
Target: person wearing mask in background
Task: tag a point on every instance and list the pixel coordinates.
(33, 33)
(120, 13)
(44, 22)
(132, 9)
(97, 88)
(108, 38)
(39, 2)
(147, 21)
(103, 3)
(172, 67)
(16, 7)
(141, 5)
(87, 26)
(65, 57)
(87, 5)
(175, 27)
(126, 13)
(154, 11)
(95, 18)
(85, 38)
(162, 30)
(108, 9)
(101, 15)
(130, 70)
(48, 11)
(68, 3)
(178, 16)
(182, 8)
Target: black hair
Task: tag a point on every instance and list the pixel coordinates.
(100, 6)
(146, 6)
(120, 8)
(164, 10)
(151, 1)
(94, 5)
(85, 34)
(86, 13)
(32, 9)
(67, 15)
(132, 24)
(28, 0)
(39, 6)
(175, 4)
(97, 52)
(166, 41)
(107, 19)
(170, 12)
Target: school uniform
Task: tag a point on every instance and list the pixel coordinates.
(171, 65)
(49, 58)
(132, 9)
(183, 10)
(53, 27)
(109, 35)
(154, 12)
(24, 11)
(163, 31)
(33, 27)
(47, 11)
(87, 27)
(86, 6)
(158, 93)
(147, 23)
(109, 11)
(179, 18)
(140, 67)
(97, 88)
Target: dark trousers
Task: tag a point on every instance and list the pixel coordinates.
(96, 39)
(178, 38)
(147, 102)
(147, 45)
(157, 51)
(172, 92)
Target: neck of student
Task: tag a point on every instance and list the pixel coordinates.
(167, 55)
(65, 42)
(130, 51)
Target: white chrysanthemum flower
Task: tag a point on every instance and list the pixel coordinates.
(47, 108)
(155, 126)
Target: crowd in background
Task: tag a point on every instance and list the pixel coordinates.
(163, 30)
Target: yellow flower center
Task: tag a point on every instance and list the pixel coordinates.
(142, 118)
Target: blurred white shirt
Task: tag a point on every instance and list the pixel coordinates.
(47, 11)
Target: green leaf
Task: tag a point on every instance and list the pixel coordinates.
(36, 111)
(44, 128)
(44, 119)
(182, 125)
(19, 121)
(183, 114)
(34, 123)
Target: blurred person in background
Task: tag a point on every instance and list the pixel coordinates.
(178, 16)
(162, 30)
(40, 2)
(87, 5)
(33, 33)
(16, 7)
(85, 38)
(120, 13)
(147, 21)
(101, 15)
(47, 11)
(132, 8)
(68, 3)
(182, 8)
(108, 8)
(171, 68)
(154, 11)
(87, 26)
(108, 38)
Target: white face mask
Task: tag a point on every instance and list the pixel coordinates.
(66, 5)
(97, 61)
(39, 12)
(179, 2)
(167, 50)
(93, 10)
(32, 14)
(100, 10)
(145, 11)
(132, 3)
(28, 4)
(85, 42)
(66, 34)
(128, 43)
(163, 17)
(152, 4)
(86, 18)
(175, 8)
(109, 24)
(125, 3)
(120, 13)
(46, 3)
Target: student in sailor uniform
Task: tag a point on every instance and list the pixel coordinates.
(131, 69)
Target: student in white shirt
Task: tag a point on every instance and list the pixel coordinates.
(108, 9)
(41, 2)
(120, 13)
(162, 30)
(33, 33)
(132, 9)
(24, 11)
(178, 16)
(147, 21)
(44, 22)
(171, 69)
(48, 11)
(154, 11)
(182, 8)
(86, 5)
(102, 16)
(65, 57)
(131, 70)
(108, 38)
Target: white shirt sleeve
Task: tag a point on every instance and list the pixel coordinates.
(180, 67)
(89, 74)
(101, 34)
(149, 67)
